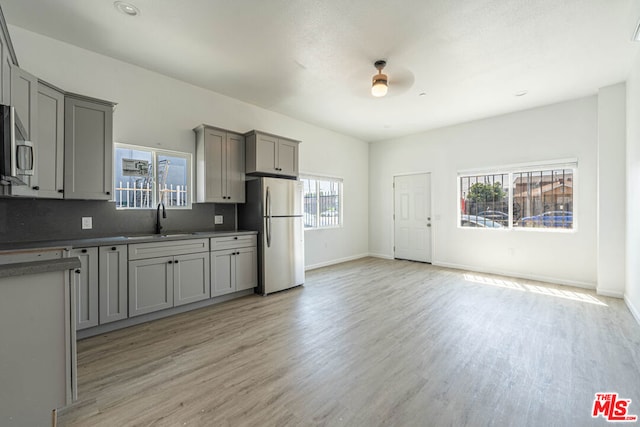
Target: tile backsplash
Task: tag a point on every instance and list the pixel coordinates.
(27, 219)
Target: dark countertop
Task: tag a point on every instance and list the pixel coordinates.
(119, 240)
(37, 267)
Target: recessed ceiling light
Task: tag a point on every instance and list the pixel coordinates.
(126, 8)
(636, 34)
(422, 94)
(521, 93)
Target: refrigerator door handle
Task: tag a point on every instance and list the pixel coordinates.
(268, 203)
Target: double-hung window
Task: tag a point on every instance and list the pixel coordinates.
(322, 202)
(145, 176)
(531, 197)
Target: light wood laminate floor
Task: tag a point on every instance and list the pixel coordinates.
(369, 343)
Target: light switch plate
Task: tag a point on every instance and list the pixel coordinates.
(218, 219)
(87, 222)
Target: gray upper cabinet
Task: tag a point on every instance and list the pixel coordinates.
(88, 148)
(86, 287)
(113, 283)
(24, 96)
(271, 155)
(5, 75)
(8, 57)
(50, 142)
(219, 165)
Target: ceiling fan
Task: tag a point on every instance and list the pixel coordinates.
(402, 80)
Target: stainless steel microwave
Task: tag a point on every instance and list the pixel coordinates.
(17, 161)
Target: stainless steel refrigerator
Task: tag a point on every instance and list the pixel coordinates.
(274, 208)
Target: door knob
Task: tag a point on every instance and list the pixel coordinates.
(428, 225)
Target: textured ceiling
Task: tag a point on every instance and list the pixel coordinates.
(313, 60)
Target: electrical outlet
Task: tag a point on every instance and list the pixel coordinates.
(218, 219)
(87, 222)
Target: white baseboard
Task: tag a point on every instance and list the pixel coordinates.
(609, 293)
(383, 256)
(546, 279)
(633, 309)
(335, 261)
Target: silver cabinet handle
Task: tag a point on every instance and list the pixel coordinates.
(268, 202)
(14, 147)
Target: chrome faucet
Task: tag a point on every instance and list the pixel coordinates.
(164, 215)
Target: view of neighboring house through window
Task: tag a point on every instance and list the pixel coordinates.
(322, 202)
(539, 198)
(145, 176)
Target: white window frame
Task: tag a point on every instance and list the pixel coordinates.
(510, 170)
(155, 152)
(337, 180)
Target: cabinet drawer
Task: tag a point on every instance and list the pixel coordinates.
(160, 249)
(231, 242)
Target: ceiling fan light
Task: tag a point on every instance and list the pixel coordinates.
(379, 87)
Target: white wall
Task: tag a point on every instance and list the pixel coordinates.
(611, 202)
(559, 131)
(155, 110)
(632, 289)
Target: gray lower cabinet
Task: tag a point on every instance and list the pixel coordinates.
(88, 148)
(246, 260)
(167, 274)
(222, 272)
(37, 350)
(191, 278)
(150, 285)
(112, 283)
(233, 270)
(85, 281)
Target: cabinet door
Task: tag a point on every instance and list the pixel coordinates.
(86, 287)
(113, 283)
(266, 152)
(150, 285)
(88, 150)
(287, 157)
(50, 146)
(5, 72)
(215, 166)
(222, 272)
(24, 89)
(235, 188)
(190, 278)
(246, 268)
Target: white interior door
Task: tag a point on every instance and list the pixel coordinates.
(412, 217)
